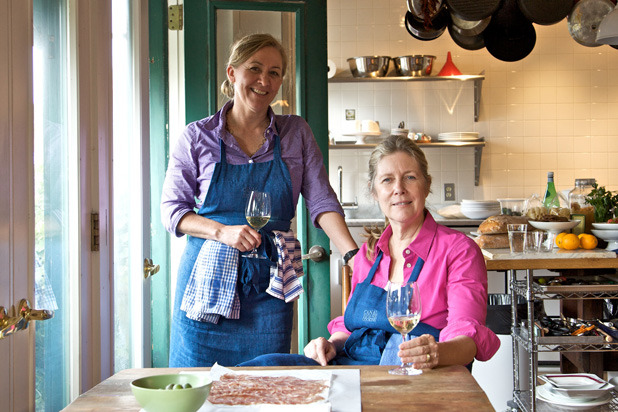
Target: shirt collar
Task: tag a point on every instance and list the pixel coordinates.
(221, 129)
(420, 246)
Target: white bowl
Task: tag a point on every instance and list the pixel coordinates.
(581, 394)
(574, 380)
(605, 226)
(610, 236)
(554, 227)
(479, 213)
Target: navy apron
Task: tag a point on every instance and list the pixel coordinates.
(365, 316)
(265, 323)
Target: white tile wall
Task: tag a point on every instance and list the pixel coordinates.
(556, 110)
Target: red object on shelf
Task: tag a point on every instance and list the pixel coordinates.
(449, 68)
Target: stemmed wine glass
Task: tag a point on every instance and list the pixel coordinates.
(257, 213)
(403, 309)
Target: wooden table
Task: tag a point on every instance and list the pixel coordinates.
(442, 389)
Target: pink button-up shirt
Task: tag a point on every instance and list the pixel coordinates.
(453, 283)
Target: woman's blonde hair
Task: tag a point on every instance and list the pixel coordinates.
(247, 47)
(389, 146)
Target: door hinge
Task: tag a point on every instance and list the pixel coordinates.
(174, 17)
(94, 232)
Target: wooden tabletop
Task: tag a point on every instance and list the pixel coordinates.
(570, 261)
(442, 389)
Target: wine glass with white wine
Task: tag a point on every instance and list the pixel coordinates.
(403, 309)
(257, 213)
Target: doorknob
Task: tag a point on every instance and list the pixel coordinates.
(150, 268)
(316, 253)
(18, 318)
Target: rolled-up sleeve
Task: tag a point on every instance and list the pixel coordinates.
(180, 184)
(316, 189)
(467, 299)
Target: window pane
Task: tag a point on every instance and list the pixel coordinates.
(51, 203)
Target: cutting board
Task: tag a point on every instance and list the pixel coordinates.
(555, 254)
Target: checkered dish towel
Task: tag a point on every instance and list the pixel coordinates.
(211, 290)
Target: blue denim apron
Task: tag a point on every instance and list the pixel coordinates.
(265, 323)
(365, 316)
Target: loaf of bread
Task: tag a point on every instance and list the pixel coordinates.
(494, 225)
(500, 241)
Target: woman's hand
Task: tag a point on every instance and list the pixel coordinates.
(241, 237)
(320, 350)
(422, 351)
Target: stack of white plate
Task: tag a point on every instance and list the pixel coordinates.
(459, 137)
(578, 390)
(480, 209)
(608, 232)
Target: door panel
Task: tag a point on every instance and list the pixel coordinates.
(308, 72)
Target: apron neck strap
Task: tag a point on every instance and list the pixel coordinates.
(223, 159)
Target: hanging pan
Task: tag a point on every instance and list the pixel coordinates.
(422, 31)
(545, 12)
(422, 8)
(510, 36)
(585, 18)
(468, 42)
(473, 10)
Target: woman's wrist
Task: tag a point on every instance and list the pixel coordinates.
(349, 255)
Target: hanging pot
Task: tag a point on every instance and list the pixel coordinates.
(419, 8)
(545, 11)
(584, 20)
(473, 10)
(476, 42)
(469, 28)
(510, 36)
(419, 30)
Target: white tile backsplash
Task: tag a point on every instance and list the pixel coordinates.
(555, 110)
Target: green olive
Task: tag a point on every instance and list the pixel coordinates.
(178, 386)
(188, 385)
(170, 386)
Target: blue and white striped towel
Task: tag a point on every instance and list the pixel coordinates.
(211, 290)
(284, 282)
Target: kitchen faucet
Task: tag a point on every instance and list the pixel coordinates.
(345, 205)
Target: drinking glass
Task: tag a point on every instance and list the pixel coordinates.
(257, 213)
(403, 309)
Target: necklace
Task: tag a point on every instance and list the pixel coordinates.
(249, 143)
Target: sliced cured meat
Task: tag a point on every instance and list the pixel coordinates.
(238, 389)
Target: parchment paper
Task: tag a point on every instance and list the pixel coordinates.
(344, 394)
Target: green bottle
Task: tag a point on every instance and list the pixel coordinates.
(551, 199)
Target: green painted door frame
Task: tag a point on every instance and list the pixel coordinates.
(201, 92)
(160, 305)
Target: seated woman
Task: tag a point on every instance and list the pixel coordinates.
(448, 265)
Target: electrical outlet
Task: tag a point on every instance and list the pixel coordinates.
(350, 114)
(449, 192)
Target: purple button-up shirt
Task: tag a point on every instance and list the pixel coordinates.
(452, 284)
(193, 160)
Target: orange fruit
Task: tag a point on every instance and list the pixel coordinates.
(559, 238)
(588, 241)
(570, 241)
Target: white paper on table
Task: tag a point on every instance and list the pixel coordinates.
(344, 394)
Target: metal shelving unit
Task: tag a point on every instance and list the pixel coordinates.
(524, 336)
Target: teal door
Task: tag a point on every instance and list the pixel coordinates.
(209, 28)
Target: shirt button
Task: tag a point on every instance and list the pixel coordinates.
(250, 160)
(408, 265)
(408, 251)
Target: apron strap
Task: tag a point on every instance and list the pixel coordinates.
(223, 159)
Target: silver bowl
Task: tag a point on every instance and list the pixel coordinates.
(369, 66)
(416, 65)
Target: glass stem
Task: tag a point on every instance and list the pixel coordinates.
(404, 337)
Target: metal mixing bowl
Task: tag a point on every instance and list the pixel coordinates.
(369, 66)
(416, 65)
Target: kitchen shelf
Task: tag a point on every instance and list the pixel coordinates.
(477, 79)
(477, 145)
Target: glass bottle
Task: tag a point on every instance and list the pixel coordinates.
(580, 208)
(551, 199)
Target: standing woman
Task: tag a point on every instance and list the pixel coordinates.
(222, 312)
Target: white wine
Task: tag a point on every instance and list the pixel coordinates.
(257, 222)
(404, 324)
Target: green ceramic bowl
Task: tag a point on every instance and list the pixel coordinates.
(152, 395)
